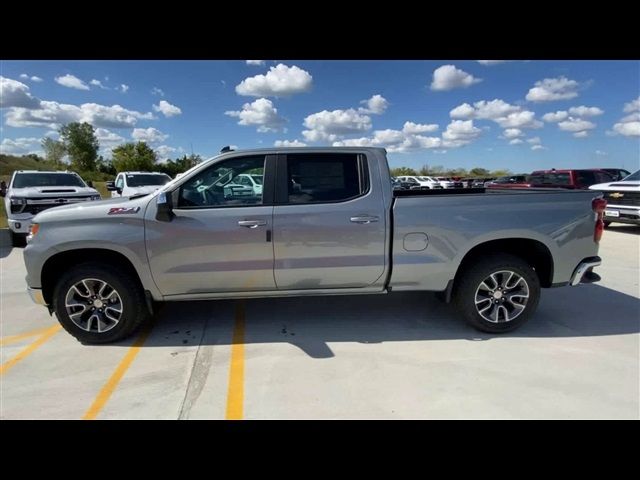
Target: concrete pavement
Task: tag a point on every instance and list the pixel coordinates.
(391, 356)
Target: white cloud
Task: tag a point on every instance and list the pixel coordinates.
(601, 153)
(553, 117)
(538, 147)
(71, 81)
(573, 124)
(377, 104)
(20, 146)
(98, 83)
(16, 94)
(256, 63)
(459, 133)
(279, 81)
(628, 129)
(488, 63)
(108, 139)
(149, 135)
(289, 143)
(550, 89)
(164, 152)
(167, 109)
(581, 134)
(629, 125)
(157, 91)
(513, 133)
(33, 78)
(499, 111)
(632, 106)
(448, 77)
(52, 114)
(415, 128)
(333, 125)
(395, 141)
(123, 88)
(534, 141)
(583, 111)
(260, 113)
(516, 141)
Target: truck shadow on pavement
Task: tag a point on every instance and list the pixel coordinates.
(622, 228)
(313, 323)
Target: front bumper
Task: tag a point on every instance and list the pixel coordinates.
(19, 225)
(584, 271)
(36, 296)
(626, 214)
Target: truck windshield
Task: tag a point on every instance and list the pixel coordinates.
(23, 180)
(634, 176)
(551, 179)
(144, 180)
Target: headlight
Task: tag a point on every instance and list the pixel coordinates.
(18, 204)
(33, 231)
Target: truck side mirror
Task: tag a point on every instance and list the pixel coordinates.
(110, 186)
(164, 202)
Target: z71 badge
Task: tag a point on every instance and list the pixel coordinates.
(123, 210)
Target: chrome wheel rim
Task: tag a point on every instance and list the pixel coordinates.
(502, 296)
(93, 305)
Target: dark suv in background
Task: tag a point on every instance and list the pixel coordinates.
(571, 179)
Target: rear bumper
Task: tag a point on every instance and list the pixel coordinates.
(584, 271)
(36, 296)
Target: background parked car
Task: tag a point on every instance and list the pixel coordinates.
(420, 182)
(127, 184)
(571, 179)
(30, 192)
(399, 185)
(623, 199)
(510, 181)
(617, 173)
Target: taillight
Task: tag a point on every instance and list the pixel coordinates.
(598, 205)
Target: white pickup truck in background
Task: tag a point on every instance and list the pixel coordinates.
(128, 184)
(32, 191)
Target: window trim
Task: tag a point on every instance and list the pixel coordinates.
(267, 187)
(282, 190)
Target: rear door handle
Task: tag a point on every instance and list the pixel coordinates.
(252, 223)
(364, 219)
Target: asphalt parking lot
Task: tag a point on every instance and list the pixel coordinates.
(398, 356)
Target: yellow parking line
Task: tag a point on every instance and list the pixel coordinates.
(49, 332)
(21, 336)
(109, 387)
(235, 392)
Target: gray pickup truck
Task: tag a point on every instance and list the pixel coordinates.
(326, 222)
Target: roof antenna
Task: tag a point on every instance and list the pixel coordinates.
(226, 149)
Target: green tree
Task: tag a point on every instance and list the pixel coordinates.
(479, 172)
(134, 156)
(501, 173)
(81, 144)
(53, 150)
(105, 166)
(402, 171)
(424, 170)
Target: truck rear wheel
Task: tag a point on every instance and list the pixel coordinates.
(97, 303)
(497, 293)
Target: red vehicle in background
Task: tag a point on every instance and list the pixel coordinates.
(570, 178)
(510, 181)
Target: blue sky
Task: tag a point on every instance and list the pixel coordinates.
(520, 115)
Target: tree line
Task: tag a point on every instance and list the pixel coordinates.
(440, 171)
(80, 143)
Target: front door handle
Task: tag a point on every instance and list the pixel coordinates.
(364, 219)
(252, 223)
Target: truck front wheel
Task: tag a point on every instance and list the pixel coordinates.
(497, 293)
(97, 303)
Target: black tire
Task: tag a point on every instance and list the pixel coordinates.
(474, 274)
(18, 239)
(134, 308)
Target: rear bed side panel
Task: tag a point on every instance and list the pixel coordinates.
(454, 224)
